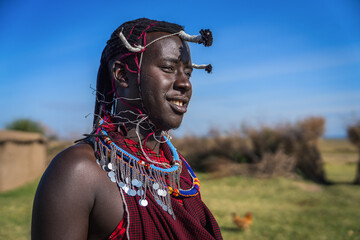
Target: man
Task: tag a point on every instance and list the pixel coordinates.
(126, 180)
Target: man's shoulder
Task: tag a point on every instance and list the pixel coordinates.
(75, 155)
(75, 165)
(67, 192)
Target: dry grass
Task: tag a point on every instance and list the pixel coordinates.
(340, 158)
(353, 132)
(267, 151)
(336, 146)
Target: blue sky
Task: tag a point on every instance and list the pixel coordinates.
(274, 61)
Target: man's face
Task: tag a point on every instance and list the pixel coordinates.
(165, 80)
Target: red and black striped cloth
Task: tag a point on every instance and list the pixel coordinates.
(193, 219)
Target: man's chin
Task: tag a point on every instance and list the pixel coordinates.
(167, 126)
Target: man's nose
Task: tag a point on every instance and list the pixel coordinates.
(182, 81)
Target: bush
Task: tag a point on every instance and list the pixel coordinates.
(268, 151)
(25, 125)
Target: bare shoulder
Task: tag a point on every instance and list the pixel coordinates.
(66, 194)
(75, 155)
(75, 198)
(75, 165)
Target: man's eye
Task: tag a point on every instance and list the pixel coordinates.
(188, 73)
(167, 68)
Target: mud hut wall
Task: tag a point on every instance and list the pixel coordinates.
(21, 162)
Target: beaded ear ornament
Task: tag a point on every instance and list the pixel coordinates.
(136, 177)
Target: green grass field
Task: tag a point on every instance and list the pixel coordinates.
(282, 208)
(15, 212)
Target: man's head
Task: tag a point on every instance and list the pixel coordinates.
(135, 32)
(157, 74)
(165, 80)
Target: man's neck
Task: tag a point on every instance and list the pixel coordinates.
(149, 137)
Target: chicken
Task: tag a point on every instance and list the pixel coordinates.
(243, 223)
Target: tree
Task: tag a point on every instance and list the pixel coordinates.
(25, 125)
(353, 132)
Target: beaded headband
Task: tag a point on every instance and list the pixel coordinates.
(205, 38)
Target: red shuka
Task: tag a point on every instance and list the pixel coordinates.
(193, 218)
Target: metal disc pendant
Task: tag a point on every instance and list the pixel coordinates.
(125, 188)
(121, 184)
(110, 166)
(161, 192)
(156, 186)
(134, 182)
(139, 184)
(140, 192)
(164, 207)
(132, 192)
(111, 174)
(143, 202)
(170, 211)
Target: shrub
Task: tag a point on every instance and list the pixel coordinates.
(25, 125)
(287, 143)
(268, 151)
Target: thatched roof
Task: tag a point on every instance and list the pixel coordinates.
(22, 137)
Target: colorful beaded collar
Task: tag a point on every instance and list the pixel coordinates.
(135, 176)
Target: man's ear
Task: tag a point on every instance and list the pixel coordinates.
(119, 74)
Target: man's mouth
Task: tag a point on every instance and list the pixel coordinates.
(177, 103)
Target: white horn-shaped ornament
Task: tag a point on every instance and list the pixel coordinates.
(205, 37)
(135, 49)
(207, 67)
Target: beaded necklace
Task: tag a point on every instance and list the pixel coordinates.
(135, 176)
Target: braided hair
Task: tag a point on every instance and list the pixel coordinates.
(135, 33)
